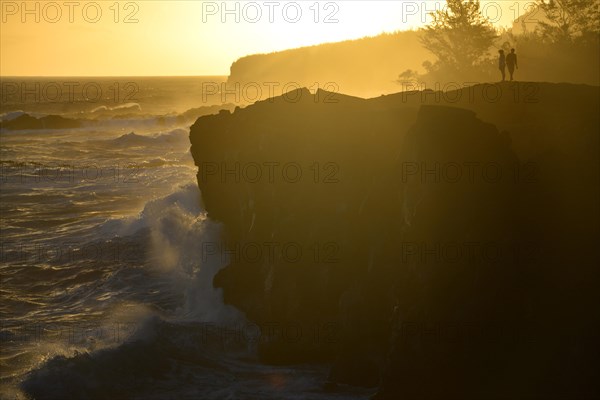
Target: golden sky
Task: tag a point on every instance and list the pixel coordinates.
(161, 37)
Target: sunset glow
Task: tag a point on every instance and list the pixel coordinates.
(190, 37)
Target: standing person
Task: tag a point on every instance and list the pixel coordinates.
(502, 64)
(511, 62)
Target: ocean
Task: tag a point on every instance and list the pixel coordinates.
(105, 292)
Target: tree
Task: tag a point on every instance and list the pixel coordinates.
(459, 36)
(568, 20)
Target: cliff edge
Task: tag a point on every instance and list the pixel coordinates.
(426, 243)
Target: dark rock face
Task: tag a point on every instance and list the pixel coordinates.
(455, 260)
(327, 198)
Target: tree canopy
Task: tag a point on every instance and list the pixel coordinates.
(459, 35)
(568, 20)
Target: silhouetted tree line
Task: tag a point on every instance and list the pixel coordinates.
(464, 42)
(570, 21)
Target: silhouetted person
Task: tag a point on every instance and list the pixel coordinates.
(502, 64)
(511, 62)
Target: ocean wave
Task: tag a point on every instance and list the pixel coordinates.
(26, 121)
(161, 359)
(8, 116)
(176, 136)
(163, 343)
(115, 117)
(179, 231)
(157, 351)
(18, 121)
(126, 106)
(146, 350)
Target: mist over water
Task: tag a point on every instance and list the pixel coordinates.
(102, 233)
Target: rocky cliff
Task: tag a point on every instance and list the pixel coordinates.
(366, 67)
(431, 244)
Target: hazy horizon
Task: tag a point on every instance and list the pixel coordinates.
(147, 37)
